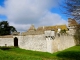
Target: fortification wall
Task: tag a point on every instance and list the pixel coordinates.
(6, 42)
(63, 42)
(66, 42)
(40, 42)
(33, 42)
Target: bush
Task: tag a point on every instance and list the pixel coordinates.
(77, 35)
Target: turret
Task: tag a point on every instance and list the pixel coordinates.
(69, 22)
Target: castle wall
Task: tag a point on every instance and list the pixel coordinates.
(63, 42)
(66, 42)
(40, 42)
(50, 45)
(6, 42)
(33, 42)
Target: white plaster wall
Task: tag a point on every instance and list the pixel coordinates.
(7, 41)
(33, 42)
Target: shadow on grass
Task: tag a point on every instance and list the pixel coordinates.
(70, 54)
(5, 48)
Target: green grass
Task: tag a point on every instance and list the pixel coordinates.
(72, 53)
(12, 53)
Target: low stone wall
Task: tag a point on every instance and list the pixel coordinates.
(6, 42)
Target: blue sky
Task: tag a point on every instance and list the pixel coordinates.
(2, 17)
(2, 2)
(59, 11)
(22, 13)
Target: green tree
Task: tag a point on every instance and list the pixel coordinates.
(5, 29)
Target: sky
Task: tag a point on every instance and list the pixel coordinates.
(23, 13)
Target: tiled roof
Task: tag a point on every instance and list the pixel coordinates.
(62, 27)
(40, 30)
(72, 22)
(31, 28)
(15, 33)
(7, 36)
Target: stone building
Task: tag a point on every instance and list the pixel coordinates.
(71, 26)
(41, 39)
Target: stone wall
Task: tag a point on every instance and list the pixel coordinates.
(63, 42)
(40, 42)
(33, 42)
(6, 41)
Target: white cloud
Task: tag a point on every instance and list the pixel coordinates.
(2, 10)
(22, 13)
(21, 27)
(52, 19)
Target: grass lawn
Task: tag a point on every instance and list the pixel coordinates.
(12, 53)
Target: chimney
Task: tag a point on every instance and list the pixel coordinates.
(43, 27)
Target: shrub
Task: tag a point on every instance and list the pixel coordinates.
(77, 34)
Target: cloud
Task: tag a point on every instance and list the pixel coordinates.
(23, 13)
(21, 27)
(2, 10)
(52, 19)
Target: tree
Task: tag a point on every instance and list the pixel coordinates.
(77, 34)
(72, 8)
(5, 29)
